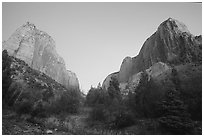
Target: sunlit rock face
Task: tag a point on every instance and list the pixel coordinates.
(171, 44)
(125, 70)
(157, 69)
(38, 50)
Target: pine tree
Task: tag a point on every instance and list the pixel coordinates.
(113, 89)
(6, 74)
(140, 92)
(175, 119)
(99, 86)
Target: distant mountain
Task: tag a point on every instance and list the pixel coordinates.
(171, 44)
(38, 50)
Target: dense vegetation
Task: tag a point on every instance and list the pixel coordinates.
(6, 76)
(150, 101)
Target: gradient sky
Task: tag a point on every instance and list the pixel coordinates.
(94, 38)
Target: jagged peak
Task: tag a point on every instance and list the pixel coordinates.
(29, 24)
(29, 29)
(174, 25)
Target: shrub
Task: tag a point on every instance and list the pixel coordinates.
(38, 110)
(52, 122)
(124, 119)
(23, 107)
(67, 102)
(98, 113)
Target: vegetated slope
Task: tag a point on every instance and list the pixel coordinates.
(33, 92)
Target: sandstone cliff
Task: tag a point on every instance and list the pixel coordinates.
(171, 44)
(38, 50)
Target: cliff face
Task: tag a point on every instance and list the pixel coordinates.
(171, 44)
(37, 49)
(125, 70)
(106, 82)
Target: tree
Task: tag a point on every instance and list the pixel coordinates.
(6, 74)
(113, 89)
(175, 78)
(175, 119)
(99, 86)
(140, 93)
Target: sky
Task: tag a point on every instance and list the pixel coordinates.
(94, 38)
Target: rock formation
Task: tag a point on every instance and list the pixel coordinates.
(171, 59)
(38, 50)
(125, 70)
(171, 44)
(107, 80)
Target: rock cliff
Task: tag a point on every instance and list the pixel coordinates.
(171, 44)
(38, 50)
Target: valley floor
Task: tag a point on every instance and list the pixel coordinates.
(14, 125)
(78, 124)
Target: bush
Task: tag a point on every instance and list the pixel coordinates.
(67, 102)
(51, 122)
(98, 113)
(23, 107)
(124, 119)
